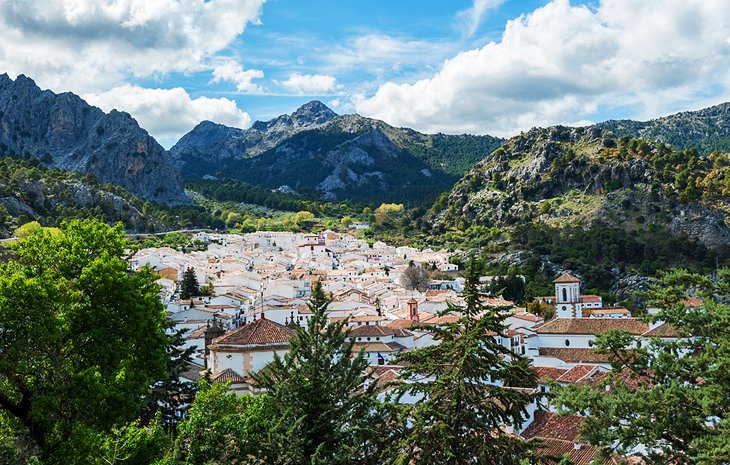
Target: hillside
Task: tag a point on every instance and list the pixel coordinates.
(64, 131)
(583, 198)
(31, 192)
(706, 130)
(316, 152)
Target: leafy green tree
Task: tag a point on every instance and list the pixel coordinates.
(325, 392)
(81, 338)
(465, 386)
(668, 399)
(224, 428)
(189, 286)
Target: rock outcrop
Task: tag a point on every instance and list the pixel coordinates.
(574, 176)
(64, 131)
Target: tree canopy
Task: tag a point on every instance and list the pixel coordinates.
(81, 338)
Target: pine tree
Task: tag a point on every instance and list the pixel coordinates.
(462, 386)
(189, 285)
(170, 396)
(325, 392)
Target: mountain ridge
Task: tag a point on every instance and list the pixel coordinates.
(342, 155)
(64, 131)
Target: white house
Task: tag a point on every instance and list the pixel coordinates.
(248, 348)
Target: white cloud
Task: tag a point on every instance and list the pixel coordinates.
(310, 84)
(91, 45)
(169, 113)
(380, 53)
(234, 72)
(471, 18)
(564, 63)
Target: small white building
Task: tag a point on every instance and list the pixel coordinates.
(248, 349)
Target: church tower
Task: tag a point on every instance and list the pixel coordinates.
(567, 296)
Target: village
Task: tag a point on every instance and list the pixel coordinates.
(259, 286)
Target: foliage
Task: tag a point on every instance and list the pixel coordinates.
(386, 211)
(169, 397)
(325, 401)
(669, 398)
(225, 429)
(189, 285)
(82, 338)
(463, 386)
(415, 278)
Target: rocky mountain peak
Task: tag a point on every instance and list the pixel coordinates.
(314, 113)
(66, 132)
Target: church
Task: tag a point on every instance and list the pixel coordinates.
(570, 303)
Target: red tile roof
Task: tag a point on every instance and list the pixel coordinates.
(592, 326)
(577, 373)
(559, 437)
(566, 278)
(374, 331)
(550, 425)
(663, 330)
(258, 332)
(547, 374)
(227, 375)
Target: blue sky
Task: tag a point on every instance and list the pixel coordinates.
(476, 66)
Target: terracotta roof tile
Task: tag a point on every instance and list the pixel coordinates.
(566, 278)
(258, 332)
(663, 330)
(373, 330)
(593, 326)
(550, 425)
(546, 374)
(378, 346)
(577, 373)
(227, 375)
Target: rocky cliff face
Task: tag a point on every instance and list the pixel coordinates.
(317, 152)
(572, 176)
(64, 131)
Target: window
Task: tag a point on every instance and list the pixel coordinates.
(638, 345)
(567, 343)
(377, 338)
(368, 339)
(565, 295)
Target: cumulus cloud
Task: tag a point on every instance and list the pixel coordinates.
(564, 63)
(233, 72)
(90, 45)
(310, 84)
(168, 113)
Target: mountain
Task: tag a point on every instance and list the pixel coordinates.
(583, 199)
(317, 152)
(64, 131)
(706, 130)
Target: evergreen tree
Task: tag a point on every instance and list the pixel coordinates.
(668, 399)
(169, 396)
(325, 392)
(189, 285)
(466, 386)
